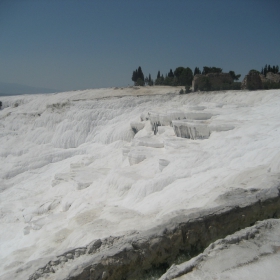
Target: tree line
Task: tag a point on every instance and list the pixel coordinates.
(182, 76)
(267, 68)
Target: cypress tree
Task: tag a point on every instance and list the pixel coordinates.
(158, 75)
(151, 82)
(134, 76)
(265, 70)
(269, 68)
(170, 74)
(140, 74)
(196, 71)
(146, 80)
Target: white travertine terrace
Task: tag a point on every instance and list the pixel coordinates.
(73, 170)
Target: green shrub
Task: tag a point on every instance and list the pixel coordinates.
(187, 89)
(227, 86)
(271, 85)
(236, 86)
(204, 84)
(139, 82)
(254, 72)
(253, 84)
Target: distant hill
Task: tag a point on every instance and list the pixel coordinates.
(15, 89)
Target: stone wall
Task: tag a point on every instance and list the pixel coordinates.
(195, 81)
(271, 77)
(211, 81)
(252, 81)
(219, 78)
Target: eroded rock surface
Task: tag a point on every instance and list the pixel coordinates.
(251, 253)
(130, 256)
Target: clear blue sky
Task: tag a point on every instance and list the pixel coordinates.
(67, 44)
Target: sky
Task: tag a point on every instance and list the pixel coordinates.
(79, 44)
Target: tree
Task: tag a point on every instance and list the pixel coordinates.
(168, 81)
(265, 70)
(146, 80)
(136, 75)
(178, 71)
(268, 68)
(158, 75)
(159, 80)
(184, 76)
(140, 74)
(234, 76)
(207, 70)
(139, 82)
(150, 81)
(274, 69)
(196, 71)
(170, 74)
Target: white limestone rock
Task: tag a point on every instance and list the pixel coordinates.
(191, 130)
(125, 151)
(163, 163)
(198, 116)
(147, 142)
(220, 127)
(162, 118)
(137, 126)
(135, 156)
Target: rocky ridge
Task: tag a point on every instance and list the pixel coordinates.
(228, 258)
